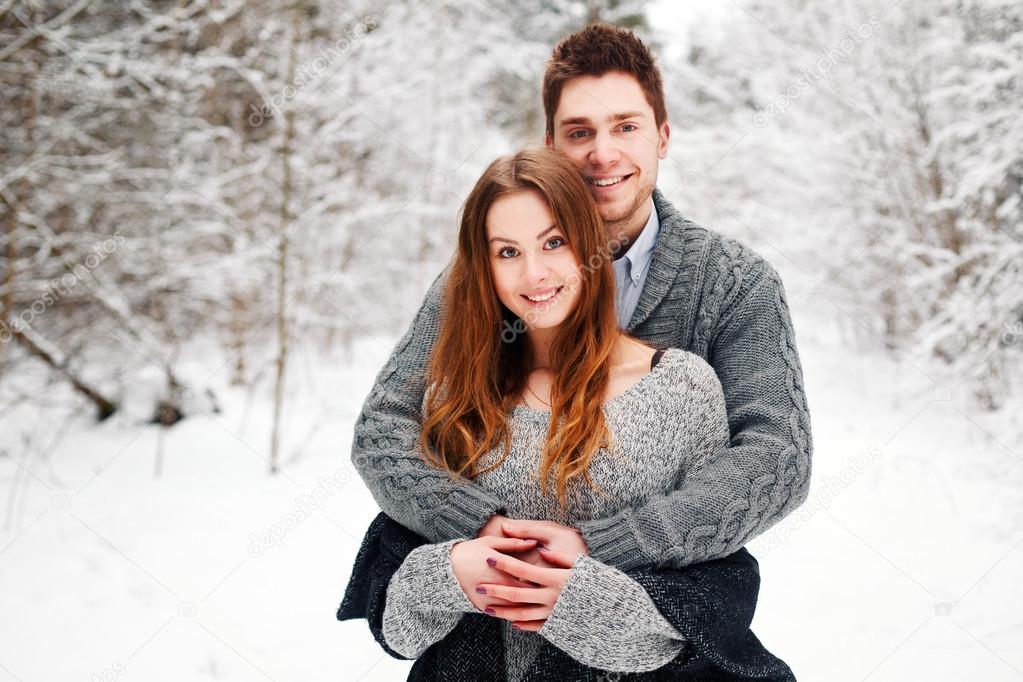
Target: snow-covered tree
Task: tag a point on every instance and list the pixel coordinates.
(884, 141)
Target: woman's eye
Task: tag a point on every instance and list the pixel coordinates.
(557, 241)
(506, 252)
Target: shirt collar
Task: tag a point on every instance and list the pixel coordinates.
(638, 256)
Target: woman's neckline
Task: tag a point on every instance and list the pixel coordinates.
(635, 388)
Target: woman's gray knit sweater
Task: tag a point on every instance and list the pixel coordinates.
(664, 428)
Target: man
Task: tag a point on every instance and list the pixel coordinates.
(679, 285)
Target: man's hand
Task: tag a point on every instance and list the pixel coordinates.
(493, 526)
(555, 536)
(550, 534)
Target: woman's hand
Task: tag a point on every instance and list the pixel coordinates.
(558, 547)
(468, 563)
(525, 606)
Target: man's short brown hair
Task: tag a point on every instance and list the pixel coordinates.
(594, 51)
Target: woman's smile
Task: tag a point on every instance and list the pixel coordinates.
(543, 297)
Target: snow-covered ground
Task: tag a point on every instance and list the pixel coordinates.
(904, 563)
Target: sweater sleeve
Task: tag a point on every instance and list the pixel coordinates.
(605, 619)
(739, 490)
(424, 600)
(426, 499)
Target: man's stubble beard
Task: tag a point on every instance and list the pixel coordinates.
(617, 226)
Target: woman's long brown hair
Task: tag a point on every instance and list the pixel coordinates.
(480, 363)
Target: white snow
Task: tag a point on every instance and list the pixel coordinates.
(902, 564)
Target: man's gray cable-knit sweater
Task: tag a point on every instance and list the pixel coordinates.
(664, 428)
(704, 293)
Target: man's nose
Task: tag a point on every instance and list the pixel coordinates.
(604, 151)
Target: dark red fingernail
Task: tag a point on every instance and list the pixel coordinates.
(489, 611)
(516, 626)
(481, 590)
(492, 562)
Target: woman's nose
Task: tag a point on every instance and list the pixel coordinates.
(536, 269)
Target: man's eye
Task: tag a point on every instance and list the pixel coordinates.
(558, 241)
(504, 253)
(577, 134)
(630, 126)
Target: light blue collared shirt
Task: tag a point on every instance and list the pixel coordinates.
(632, 268)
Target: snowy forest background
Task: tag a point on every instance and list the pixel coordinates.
(218, 217)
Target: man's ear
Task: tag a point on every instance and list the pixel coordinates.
(662, 139)
(547, 141)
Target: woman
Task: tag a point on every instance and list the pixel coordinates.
(532, 386)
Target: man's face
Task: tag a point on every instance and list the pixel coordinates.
(606, 127)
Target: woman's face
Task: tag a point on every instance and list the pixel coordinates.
(535, 271)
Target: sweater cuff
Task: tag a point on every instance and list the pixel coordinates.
(431, 581)
(571, 606)
(613, 541)
(606, 620)
(466, 509)
(449, 589)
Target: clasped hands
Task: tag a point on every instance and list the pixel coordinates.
(516, 569)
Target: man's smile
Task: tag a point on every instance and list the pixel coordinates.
(601, 184)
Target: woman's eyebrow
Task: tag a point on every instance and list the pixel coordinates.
(549, 229)
(512, 241)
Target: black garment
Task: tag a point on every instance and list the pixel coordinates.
(711, 604)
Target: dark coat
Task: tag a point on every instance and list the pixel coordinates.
(711, 604)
